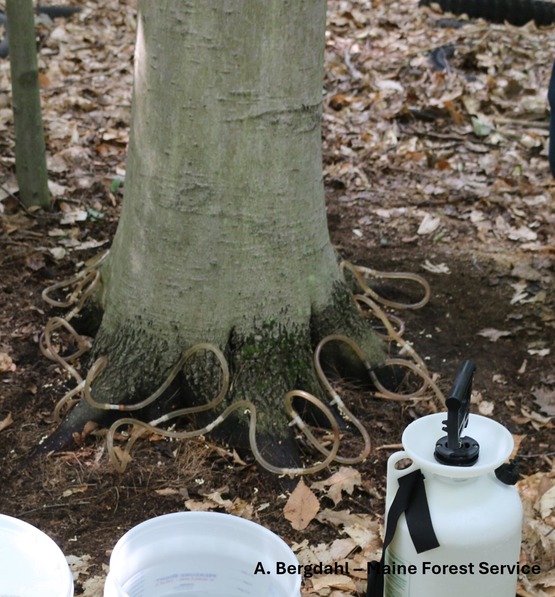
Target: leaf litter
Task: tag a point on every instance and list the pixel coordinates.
(438, 133)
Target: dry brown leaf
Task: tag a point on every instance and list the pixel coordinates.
(94, 586)
(362, 528)
(545, 399)
(546, 503)
(79, 565)
(74, 490)
(216, 497)
(242, 508)
(518, 440)
(537, 493)
(199, 506)
(341, 548)
(486, 407)
(6, 363)
(345, 479)
(124, 457)
(493, 335)
(214, 501)
(535, 417)
(337, 581)
(324, 553)
(301, 507)
(166, 491)
(35, 262)
(6, 422)
(429, 224)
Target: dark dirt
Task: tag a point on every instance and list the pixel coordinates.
(78, 499)
(85, 506)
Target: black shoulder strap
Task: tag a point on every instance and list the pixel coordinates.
(410, 499)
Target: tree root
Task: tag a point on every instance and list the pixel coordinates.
(262, 378)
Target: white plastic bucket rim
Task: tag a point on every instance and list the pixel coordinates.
(31, 564)
(213, 554)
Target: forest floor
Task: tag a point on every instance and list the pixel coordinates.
(435, 154)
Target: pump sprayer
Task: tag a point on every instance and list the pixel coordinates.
(453, 521)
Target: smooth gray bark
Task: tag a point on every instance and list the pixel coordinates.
(223, 235)
(30, 151)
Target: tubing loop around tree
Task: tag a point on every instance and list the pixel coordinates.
(359, 272)
(120, 458)
(86, 282)
(417, 395)
(387, 321)
(48, 350)
(100, 364)
(336, 399)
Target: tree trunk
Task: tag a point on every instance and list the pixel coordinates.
(30, 152)
(223, 235)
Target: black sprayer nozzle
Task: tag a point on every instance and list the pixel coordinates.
(453, 449)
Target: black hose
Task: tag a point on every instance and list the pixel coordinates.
(515, 12)
(53, 12)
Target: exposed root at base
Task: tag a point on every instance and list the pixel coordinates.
(254, 399)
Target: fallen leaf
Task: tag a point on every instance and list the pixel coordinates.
(339, 581)
(439, 268)
(345, 479)
(56, 190)
(539, 352)
(545, 399)
(35, 262)
(6, 422)
(74, 215)
(167, 491)
(199, 506)
(360, 527)
(492, 334)
(547, 502)
(517, 440)
(58, 252)
(485, 408)
(535, 417)
(480, 128)
(94, 586)
(428, 224)
(341, 548)
(522, 233)
(526, 272)
(217, 498)
(301, 507)
(6, 363)
(74, 490)
(79, 565)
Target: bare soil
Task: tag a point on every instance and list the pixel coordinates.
(483, 278)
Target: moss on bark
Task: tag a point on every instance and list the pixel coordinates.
(265, 363)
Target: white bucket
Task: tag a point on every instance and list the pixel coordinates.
(201, 554)
(31, 564)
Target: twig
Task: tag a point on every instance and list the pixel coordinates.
(390, 447)
(524, 123)
(53, 506)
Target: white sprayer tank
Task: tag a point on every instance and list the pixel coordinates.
(477, 518)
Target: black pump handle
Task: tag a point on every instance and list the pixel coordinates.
(458, 404)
